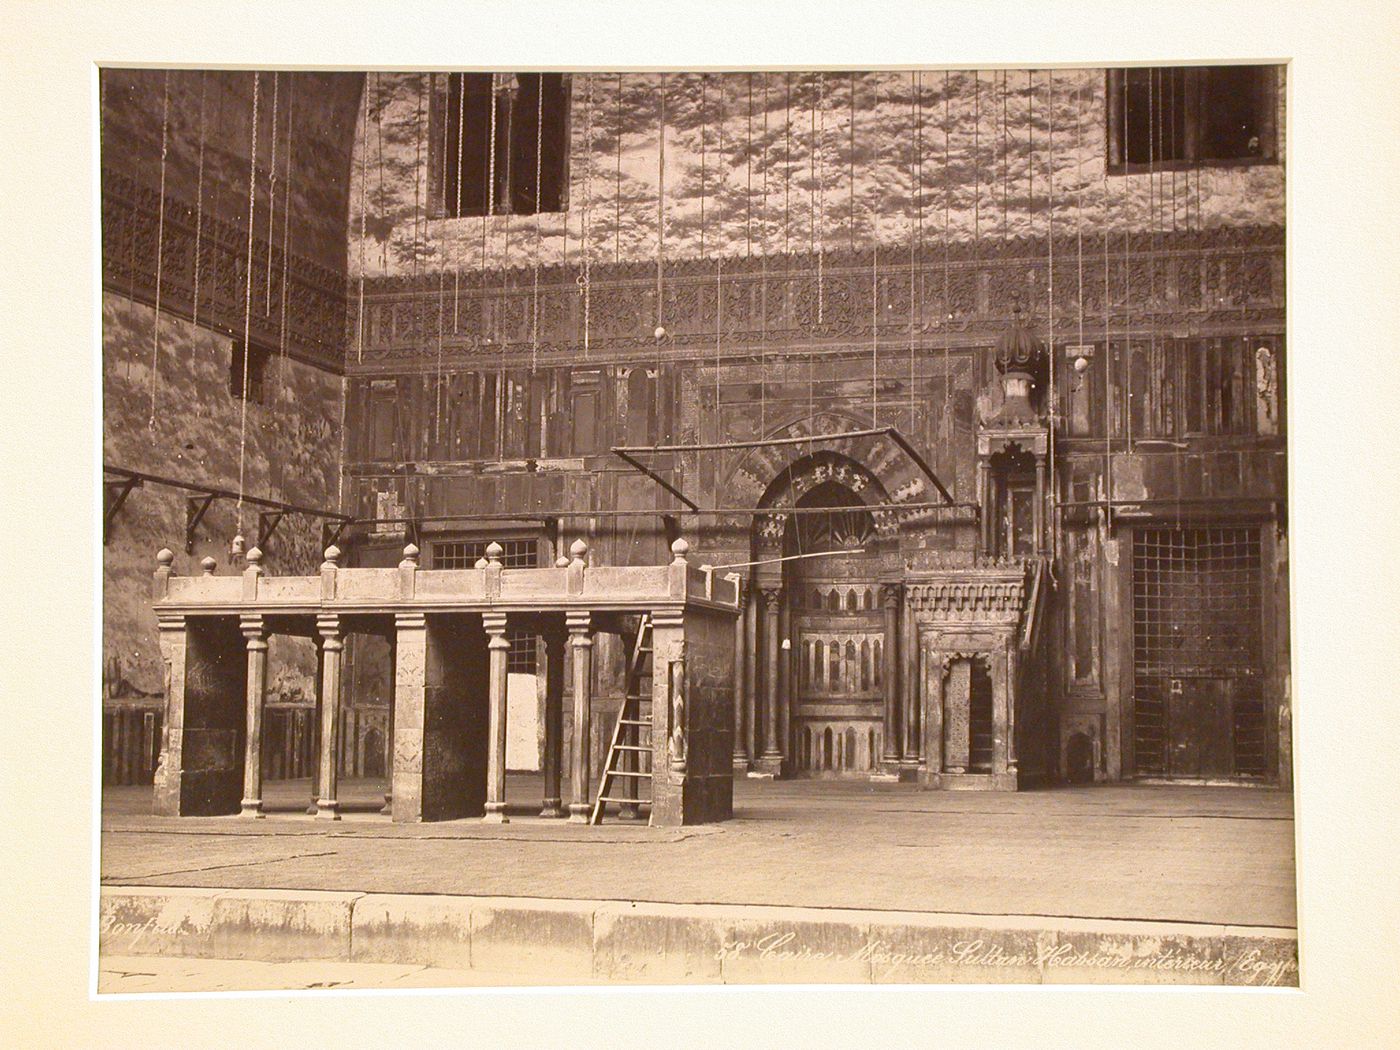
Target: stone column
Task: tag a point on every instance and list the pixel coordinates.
(786, 685)
(751, 665)
(410, 689)
(984, 488)
(332, 646)
(771, 761)
(932, 764)
(581, 641)
(169, 770)
(910, 749)
(741, 659)
(892, 598)
(498, 647)
(1038, 509)
(388, 807)
(1001, 698)
(255, 632)
(316, 729)
(553, 721)
(1013, 671)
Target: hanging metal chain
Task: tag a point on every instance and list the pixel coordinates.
(160, 243)
(248, 302)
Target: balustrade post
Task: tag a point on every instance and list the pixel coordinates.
(332, 649)
(581, 640)
(255, 633)
(498, 648)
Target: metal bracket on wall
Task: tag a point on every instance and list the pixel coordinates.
(115, 494)
(331, 531)
(268, 520)
(195, 509)
(198, 505)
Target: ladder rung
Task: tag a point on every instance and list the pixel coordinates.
(628, 773)
(633, 722)
(625, 801)
(632, 747)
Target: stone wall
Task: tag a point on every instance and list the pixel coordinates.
(789, 162)
(292, 453)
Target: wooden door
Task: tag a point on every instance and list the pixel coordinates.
(1200, 724)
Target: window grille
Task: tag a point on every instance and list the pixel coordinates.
(530, 134)
(1173, 116)
(524, 646)
(1196, 602)
(464, 554)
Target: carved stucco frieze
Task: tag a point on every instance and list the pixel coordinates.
(132, 245)
(1225, 276)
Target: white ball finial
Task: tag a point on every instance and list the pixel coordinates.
(332, 557)
(165, 557)
(254, 556)
(579, 549)
(680, 548)
(660, 332)
(208, 565)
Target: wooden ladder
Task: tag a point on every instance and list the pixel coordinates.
(627, 769)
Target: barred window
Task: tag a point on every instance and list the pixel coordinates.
(253, 365)
(523, 651)
(1182, 115)
(464, 554)
(498, 130)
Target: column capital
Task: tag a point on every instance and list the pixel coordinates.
(494, 625)
(580, 625)
(409, 621)
(331, 630)
(669, 617)
(772, 597)
(741, 590)
(254, 629)
(892, 594)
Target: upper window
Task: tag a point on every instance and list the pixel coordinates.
(1174, 116)
(464, 554)
(496, 131)
(252, 365)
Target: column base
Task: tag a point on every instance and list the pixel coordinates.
(885, 775)
(327, 809)
(769, 765)
(553, 809)
(741, 762)
(630, 812)
(579, 812)
(251, 809)
(388, 808)
(311, 809)
(495, 813)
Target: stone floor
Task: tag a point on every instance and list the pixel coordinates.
(1171, 853)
